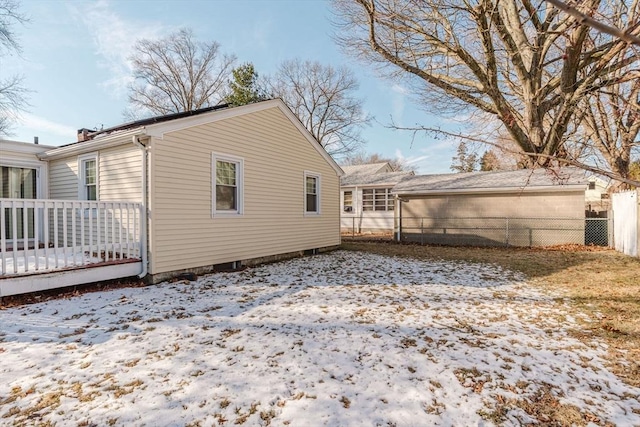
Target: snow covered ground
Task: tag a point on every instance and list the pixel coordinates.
(342, 339)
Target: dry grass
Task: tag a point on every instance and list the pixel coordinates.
(602, 282)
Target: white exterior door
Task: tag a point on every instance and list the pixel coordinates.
(18, 183)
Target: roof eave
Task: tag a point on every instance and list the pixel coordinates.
(92, 145)
(493, 190)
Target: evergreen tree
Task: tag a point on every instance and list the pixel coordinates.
(464, 161)
(245, 87)
(489, 161)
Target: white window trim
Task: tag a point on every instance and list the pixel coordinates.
(240, 184)
(42, 176)
(318, 192)
(82, 194)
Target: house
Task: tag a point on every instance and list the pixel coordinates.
(22, 174)
(366, 202)
(539, 207)
(596, 198)
(188, 191)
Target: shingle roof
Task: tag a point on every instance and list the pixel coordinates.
(382, 178)
(507, 180)
(367, 169)
(150, 121)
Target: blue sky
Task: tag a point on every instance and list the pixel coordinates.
(75, 61)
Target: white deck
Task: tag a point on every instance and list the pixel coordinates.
(46, 244)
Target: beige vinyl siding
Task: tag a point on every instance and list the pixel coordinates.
(9, 156)
(63, 179)
(533, 218)
(119, 175)
(525, 204)
(183, 232)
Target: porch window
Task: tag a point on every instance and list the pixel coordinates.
(311, 193)
(88, 188)
(377, 199)
(347, 201)
(227, 198)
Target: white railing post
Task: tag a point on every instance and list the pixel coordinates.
(56, 233)
(65, 233)
(74, 228)
(14, 228)
(36, 231)
(115, 232)
(25, 235)
(3, 238)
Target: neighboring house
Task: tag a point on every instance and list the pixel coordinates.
(596, 198)
(366, 202)
(220, 186)
(520, 208)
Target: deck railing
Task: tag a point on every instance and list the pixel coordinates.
(46, 235)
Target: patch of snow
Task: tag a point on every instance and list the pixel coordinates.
(345, 338)
(46, 260)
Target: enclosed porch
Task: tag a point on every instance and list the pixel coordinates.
(47, 244)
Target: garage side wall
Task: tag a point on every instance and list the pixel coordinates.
(521, 219)
(185, 235)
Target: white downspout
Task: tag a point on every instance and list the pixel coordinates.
(145, 215)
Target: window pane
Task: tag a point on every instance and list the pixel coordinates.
(226, 198)
(367, 200)
(312, 203)
(348, 201)
(90, 172)
(92, 193)
(311, 185)
(348, 198)
(225, 173)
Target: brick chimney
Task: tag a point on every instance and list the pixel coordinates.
(83, 134)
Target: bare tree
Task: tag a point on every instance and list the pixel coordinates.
(362, 158)
(611, 125)
(177, 73)
(524, 62)
(464, 160)
(12, 92)
(324, 100)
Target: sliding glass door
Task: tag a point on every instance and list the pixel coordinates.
(18, 183)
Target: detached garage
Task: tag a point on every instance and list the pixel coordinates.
(540, 207)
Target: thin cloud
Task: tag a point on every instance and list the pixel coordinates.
(114, 38)
(40, 124)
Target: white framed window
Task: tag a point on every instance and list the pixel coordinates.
(377, 199)
(347, 201)
(228, 185)
(311, 193)
(88, 177)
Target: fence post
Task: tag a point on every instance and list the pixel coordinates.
(506, 240)
(353, 227)
(422, 231)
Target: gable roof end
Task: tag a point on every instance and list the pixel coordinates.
(158, 126)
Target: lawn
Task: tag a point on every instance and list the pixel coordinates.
(340, 339)
(598, 281)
